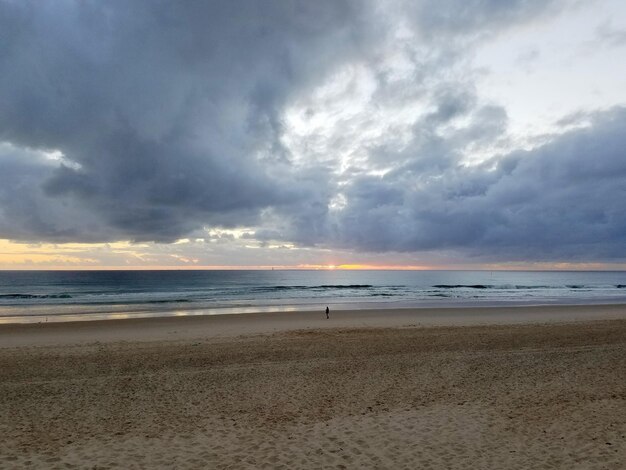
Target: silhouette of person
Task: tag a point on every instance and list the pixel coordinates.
(327, 312)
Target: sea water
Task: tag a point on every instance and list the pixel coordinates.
(30, 296)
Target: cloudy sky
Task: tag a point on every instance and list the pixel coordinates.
(433, 133)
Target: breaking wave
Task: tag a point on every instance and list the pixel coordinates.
(35, 296)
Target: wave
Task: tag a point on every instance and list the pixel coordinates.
(346, 286)
(276, 288)
(458, 286)
(501, 286)
(35, 296)
(87, 301)
(517, 287)
(323, 286)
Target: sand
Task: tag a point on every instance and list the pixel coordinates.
(507, 395)
(191, 327)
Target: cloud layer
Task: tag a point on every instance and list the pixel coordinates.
(562, 200)
(337, 124)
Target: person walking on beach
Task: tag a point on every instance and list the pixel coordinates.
(327, 312)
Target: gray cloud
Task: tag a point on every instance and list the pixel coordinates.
(170, 118)
(563, 200)
(163, 110)
(452, 18)
(607, 35)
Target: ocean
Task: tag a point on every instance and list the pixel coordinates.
(36, 296)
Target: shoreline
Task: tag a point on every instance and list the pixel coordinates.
(191, 327)
(96, 312)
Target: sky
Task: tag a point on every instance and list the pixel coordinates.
(428, 134)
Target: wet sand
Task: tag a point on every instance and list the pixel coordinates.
(190, 327)
(410, 392)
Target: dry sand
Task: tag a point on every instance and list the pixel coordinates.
(489, 397)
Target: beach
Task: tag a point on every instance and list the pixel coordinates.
(511, 387)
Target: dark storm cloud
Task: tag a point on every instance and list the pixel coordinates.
(564, 200)
(166, 112)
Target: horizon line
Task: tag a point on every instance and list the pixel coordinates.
(341, 267)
